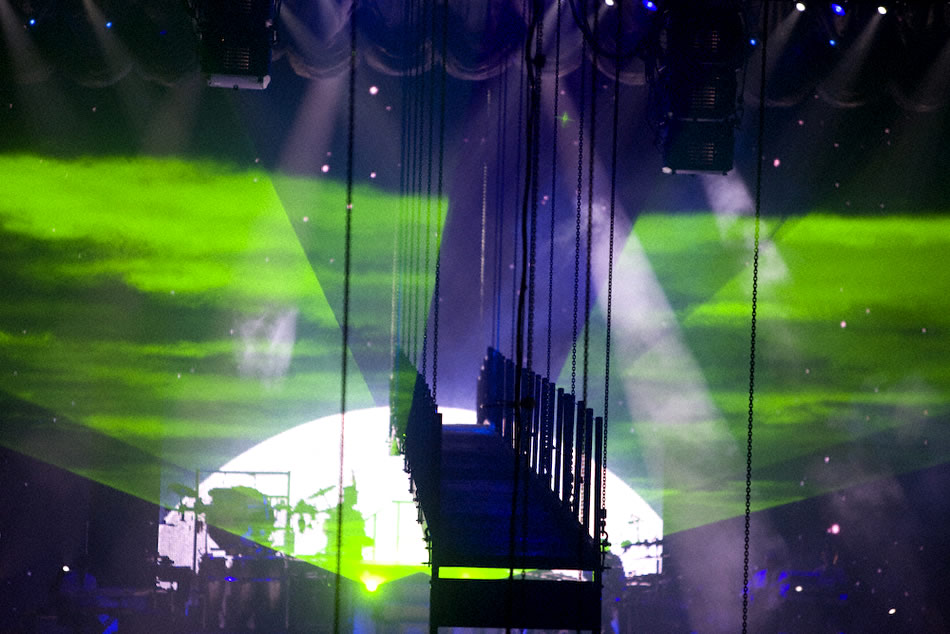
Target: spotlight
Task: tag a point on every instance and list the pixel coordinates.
(32, 21)
(837, 9)
(882, 10)
(109, 25)
(800, 6)
(649, 5)
(609, 3)
(753, 41)
(832, 42)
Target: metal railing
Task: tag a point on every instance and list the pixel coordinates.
(559, 439)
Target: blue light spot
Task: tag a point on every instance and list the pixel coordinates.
(32, 21)
(837, 8)
(843, 596)
(163, 32)
(649, 5)
(230, 579)
(753, 41)
(832, 42)
(108, 25)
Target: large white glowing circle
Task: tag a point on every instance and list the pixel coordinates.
(310, 452)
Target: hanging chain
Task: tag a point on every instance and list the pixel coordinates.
(554, 157)
(590, 201)
(439, 197)
(610, 284)
(577, 219)
(522, 89)
(755, 291)
(347, 253)
(428, 229)
(535, 130)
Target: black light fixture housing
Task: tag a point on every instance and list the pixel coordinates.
(235, 41)
(705, 46)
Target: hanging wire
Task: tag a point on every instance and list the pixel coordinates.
(428, 225)
(537, 62)
(554, 157)
(396, 327)
(577, 218)
(610, 292)
(534, 64)
(760, 141)
(439, 197)
(418, 299)
(415, 126)
(345, 346)
(522, 90)
(590, 204)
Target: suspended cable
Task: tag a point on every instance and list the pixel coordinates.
(440, 196)
(522, 90)
(554, 157)
(419, 158)
(415, 125)
(610, 291)
(345, 346)
(590, 206)
(535, 63)
(577, 217)
(760, 142)
(428, 225)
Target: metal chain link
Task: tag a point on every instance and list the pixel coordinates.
(577, 223)
(554, 157)
(755, 292)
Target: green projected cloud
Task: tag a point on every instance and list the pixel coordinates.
(164, 304)
(852, 382)
(166, 315)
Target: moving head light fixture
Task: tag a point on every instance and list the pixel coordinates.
(235, 38)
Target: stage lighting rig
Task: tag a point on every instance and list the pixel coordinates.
(235, 38)
(699, 52)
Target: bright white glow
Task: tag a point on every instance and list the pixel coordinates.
(892, 611)
(882, 10)
(372, 582)
(609, 3)
(800, 6)
(798, 588)
(65, 568)
(310, 452)
(374, 90)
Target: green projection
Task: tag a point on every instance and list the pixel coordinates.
(852, 382)
(162, 316)
(164, 306)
